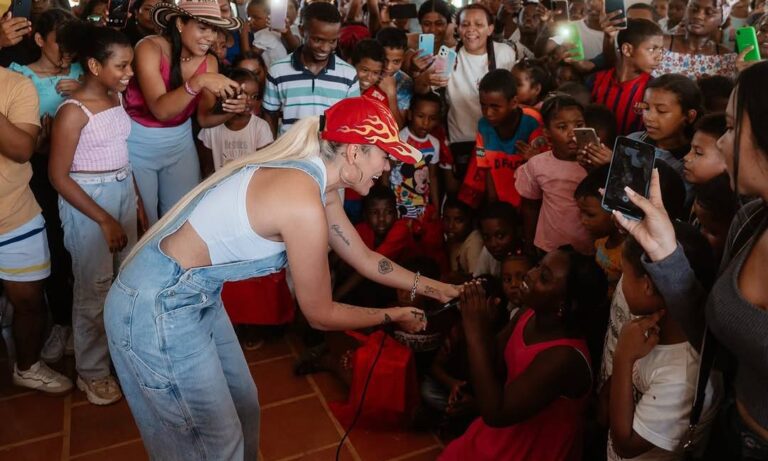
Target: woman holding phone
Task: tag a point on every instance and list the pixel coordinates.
(174, 72)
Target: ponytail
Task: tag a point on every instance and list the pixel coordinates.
(174, 37)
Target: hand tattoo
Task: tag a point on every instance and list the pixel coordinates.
(385, 266)
(418, 315)
(429, 291)
(387, 319)
(337, 230)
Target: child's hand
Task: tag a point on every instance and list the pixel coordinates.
(596, 155)
(638, 337)
(421, 62)
(114, 234)
(457, 392)
(388, 86)
(67, 86)
(525, 150)
(476, 309)
(610, 25)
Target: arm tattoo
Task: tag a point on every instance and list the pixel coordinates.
(385, 266)
(337, 230)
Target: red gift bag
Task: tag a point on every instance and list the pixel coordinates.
(393, 392)
(259, 301)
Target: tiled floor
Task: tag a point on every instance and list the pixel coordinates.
(296, 421)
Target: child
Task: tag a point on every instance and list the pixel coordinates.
(97, 207)
(498, 228)
(265, 41)
(416, 186)
(535, 410)
(704, 162)
(622, 87)
(716, 90)
(368, 59)
(255, 63)
(507, 136)
(533, 82)
(513, 270)
(578, 91)
(566, 73)
(396, 83)
(602, 120)
(599, 223)
(675, 14)
(220, 47)
(655, 367)
(714, 207)
(242, 134)
(551, 217)
(464, 241)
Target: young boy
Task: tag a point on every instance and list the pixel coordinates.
(506, 138)
(240, 135)
(499, 225)
(622, 88)
(463, 241)
(265, 41)
(416, 186)
(655, 368)
(396, 83)
(368, 59)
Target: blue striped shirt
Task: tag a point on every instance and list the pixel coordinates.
(296, 92)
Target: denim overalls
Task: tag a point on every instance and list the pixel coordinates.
(179, 362)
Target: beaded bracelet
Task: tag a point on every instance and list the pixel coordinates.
(415, 285)
(189, 89)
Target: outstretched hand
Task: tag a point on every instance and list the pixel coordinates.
(654, 232)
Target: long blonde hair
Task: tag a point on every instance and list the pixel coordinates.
(301, 141)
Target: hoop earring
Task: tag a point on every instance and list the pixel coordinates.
(347, 181)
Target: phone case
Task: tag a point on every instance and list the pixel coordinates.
(446, 60)
(585, 136)
(426, 44)
(118, 12)
(747, 36)
(573, 36)
(21, 8)
(613, 5)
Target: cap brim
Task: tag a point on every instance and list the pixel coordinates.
(401, 151)
(164, 12)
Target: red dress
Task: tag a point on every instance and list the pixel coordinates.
(553, 434)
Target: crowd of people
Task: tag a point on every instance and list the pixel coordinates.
(582, 333)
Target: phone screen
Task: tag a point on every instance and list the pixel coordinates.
(118, 12)
(560, 8)
(613, 5)
(278, 10)
(631, 166)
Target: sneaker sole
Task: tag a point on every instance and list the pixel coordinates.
(42, 390)
(93, 398)
(51, 359)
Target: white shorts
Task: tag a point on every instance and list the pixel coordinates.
(24, 254)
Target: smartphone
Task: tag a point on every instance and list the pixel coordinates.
(21, 8)
(118, 13)
(426, 44)
(402, 11)
(560, 10)
(631, 166)
(445, 61)
(278, 9)
(747, 36)
(614, 5)
(569, 33)
(585, 137)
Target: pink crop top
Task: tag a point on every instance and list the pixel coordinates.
(103, 143)
(137, 107)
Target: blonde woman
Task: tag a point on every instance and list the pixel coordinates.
(174, 349)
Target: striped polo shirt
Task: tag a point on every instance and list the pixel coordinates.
(296, 92)
(621, 98)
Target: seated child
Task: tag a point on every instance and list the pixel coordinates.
(536, 411)
(533, 82)
(499, 229)
(715, 206)
(655, 368)
(705, 161)
(622, 87)
(506, 138)
(551, 217)
(416, 186)
(242, 134)
(464, 241)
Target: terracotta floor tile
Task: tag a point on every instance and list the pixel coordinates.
(331, 387)
(295, 428)
(429, 455)
(275, 381)
(30, 416)
(272, 348)
(328, 454)
(375, 445)
(95, 427)
(131, 452)
(44, 450)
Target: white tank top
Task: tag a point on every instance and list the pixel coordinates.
(221, 220)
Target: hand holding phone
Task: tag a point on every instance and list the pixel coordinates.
(631, 166)
(278, 11)
(747, 36)
(612, 6)
(21, 8)
(445, 62)
(585, 137)
(117, 13)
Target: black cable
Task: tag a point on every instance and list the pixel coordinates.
(362, 396)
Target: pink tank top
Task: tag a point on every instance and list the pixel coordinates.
(103, 143)
(137, 107)
(554, 434)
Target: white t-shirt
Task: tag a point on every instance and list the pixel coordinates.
(228, 145)
(592, 40)
(664, 384)
(487, 265)
(269, 41)
(462, 91)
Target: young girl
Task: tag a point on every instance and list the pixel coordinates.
(255, 63)
(513, 270)
(533, 82)
(464, 241)
(89, 168)
(242, 134)
(547, 182)
(536, 412)
(54, 78)
(704, 162)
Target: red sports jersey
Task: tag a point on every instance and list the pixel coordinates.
(621, 98)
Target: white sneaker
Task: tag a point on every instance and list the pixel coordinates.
(53, 349)
(69, 348)
(42, 378)
(103, 391)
